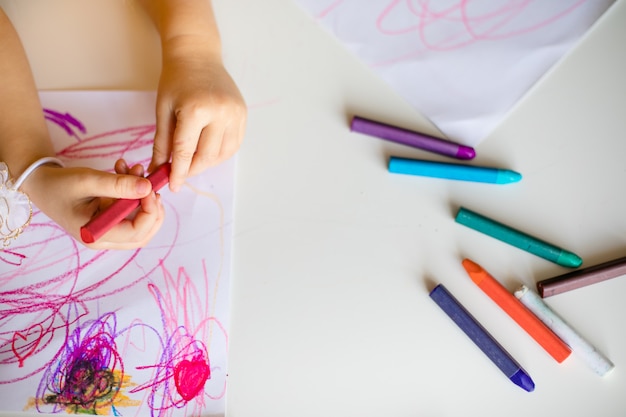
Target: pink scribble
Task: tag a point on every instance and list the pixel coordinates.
(466, 22)
(410, 29)
(11, 257)
(61, 323)
(329, 8)
(184, 367)
(112, 145)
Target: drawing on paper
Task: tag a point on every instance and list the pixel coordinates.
(141, 332)
(462, 63)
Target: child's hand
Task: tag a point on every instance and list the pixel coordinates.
(201, 114)
(72, 196)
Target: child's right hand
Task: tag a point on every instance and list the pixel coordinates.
(72, 196)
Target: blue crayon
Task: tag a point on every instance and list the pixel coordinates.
(452, 171)
(481, 338)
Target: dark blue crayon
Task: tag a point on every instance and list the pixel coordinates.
(481, 337)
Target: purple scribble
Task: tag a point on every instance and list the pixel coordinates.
(88, 373)
(66, 121)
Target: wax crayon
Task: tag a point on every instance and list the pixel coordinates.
(481, 337)
(582, 277)
(411, 138)
(516, 310)
(120, 209)
(450, 171)
(517, 238)
(599, 363)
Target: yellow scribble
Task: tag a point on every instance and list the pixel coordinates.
(101, 408)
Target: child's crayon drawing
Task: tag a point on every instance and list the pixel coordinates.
(461, 63)
(140, 332)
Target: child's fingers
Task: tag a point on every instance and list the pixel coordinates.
(136, 170)
(105, 184)
(233, 136)
(121, 167)
(209, 149)
(162, 146)
(184, 146)
(138, 230)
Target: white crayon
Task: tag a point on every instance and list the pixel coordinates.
(583, 349)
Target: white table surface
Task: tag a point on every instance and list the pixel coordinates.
(334, 256)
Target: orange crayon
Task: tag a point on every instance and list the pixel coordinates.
(518, 312)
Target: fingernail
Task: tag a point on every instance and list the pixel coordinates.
(143, 186)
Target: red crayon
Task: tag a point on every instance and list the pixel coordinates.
(120, 209)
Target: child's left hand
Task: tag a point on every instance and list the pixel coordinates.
(72, 196)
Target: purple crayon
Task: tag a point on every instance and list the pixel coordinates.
(411, 138)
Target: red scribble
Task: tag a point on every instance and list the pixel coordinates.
(42, 320)
(25, 343)
(190, 376)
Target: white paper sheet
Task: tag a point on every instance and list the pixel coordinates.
(462, 64)
(129, 333)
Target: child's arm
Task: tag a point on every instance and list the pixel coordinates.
(23, 133)
(201, 114)
(66, 195)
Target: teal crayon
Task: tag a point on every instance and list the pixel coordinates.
(452, 171)
(517, 238)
